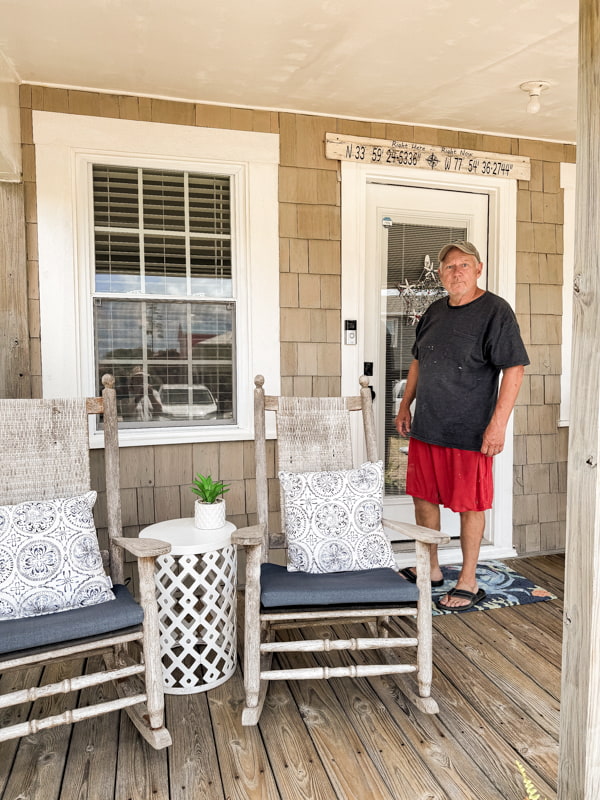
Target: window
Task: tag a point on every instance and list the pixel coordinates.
(164, 305)
(158, 250)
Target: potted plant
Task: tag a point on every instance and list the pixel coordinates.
(209, 508)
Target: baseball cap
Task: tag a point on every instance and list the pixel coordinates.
(466, 247)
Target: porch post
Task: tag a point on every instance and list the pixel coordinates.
(579, 762)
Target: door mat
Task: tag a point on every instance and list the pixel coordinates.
(503, 587)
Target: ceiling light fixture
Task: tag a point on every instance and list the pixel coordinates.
(534, 90)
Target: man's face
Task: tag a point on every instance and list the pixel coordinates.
(458, 273)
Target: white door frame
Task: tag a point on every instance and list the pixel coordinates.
(501, 280)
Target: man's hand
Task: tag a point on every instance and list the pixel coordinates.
(493, 439)
(404, 417)
(403, 421)
(493, 436)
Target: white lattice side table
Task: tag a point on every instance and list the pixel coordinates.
(196, 592)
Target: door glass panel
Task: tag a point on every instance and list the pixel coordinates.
(411, 286)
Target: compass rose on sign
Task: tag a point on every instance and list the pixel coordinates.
(432, 161)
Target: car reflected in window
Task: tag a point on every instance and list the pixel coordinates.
(397, 395)
(182, 402)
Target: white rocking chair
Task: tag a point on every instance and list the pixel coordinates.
(45, 456)
(276, 598)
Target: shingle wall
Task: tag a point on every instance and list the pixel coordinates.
(155, 480)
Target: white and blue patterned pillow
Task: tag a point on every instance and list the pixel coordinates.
(49, 557)
(333, 520)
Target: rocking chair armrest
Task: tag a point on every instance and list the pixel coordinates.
(143, 548)
(417, 532)
(252, 536)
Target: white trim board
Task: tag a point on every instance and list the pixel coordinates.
(567, 183)
(65, 145)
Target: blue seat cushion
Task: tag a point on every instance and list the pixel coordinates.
(381, 586)
(77, 623)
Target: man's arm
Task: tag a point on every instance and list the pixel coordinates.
(493, 436)
(404, 417)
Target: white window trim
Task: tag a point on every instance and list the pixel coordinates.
(65, 145)
(502, 248)
(567, 183)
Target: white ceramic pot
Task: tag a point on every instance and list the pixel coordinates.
(208, 516)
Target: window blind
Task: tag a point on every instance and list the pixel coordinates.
(164, 310)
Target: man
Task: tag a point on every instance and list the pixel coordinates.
(463, 343)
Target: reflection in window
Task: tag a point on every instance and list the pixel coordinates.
(172, 361)
(407, 249)
(164, 309)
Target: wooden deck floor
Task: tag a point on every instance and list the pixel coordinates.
(496, 678)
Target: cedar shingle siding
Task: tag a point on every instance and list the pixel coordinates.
(156, 479)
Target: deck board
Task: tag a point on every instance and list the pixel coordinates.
(292, 753)
(241, 754)
(12, 682)
(141, 771)
(532, 627)
(524, 691)
(40, 760)
(482, 717)
(193, 764)
(345, 757)
(91, 766)
(432, 749)
(532, 569)
(496, 678)
(516, 650)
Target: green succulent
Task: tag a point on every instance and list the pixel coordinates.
(208, 491)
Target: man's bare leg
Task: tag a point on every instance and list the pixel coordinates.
(428, 515)
(472, 525)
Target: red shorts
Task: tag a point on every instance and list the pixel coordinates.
(460, 480)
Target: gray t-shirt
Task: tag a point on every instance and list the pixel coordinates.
(461, 351)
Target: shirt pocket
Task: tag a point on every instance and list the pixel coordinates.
(465, 347)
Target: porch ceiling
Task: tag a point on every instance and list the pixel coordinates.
(450, 63)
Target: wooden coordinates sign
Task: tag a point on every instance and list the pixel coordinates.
(425, 156)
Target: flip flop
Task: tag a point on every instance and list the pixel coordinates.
(472, 597)
(410, 576)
